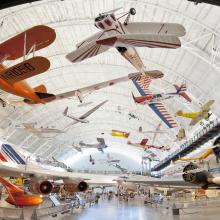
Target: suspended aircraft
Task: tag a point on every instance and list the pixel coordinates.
(12, 79)
(125, 36)
(155, 132)
(142, 86)
(43, 177)
(109, 160)
(17, 196)
(100, 146)
(39, 132)
(143, 144)
(82, 118)
(118, 133)
(200, 157)
(203, 113)
(181, 134)
(154, 98)
(62, 165)
(81, 92)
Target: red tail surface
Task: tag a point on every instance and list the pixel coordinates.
(144, 142)
(181, 91)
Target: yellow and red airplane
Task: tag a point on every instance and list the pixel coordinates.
(12, 80)
(17, 197)
(117, 133)
(203, 113)
(199, 158)
(143, 144)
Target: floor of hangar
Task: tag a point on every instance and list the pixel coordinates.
(136, 210)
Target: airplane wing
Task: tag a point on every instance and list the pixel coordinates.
(142, 85)
(207, 106)
(155, 28)
(161, 111)
(39, 36)
(97, 86)
(14, 164)
(89, 39)
(162, 182)
(194, 121)
(141, 40)
(25, 69)
(93, 110)
(90, 49)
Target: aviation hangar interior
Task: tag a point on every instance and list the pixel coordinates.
(109, 109)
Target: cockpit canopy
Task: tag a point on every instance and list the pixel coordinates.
(100, 17)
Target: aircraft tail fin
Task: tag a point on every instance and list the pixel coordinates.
(180, 112)
(181, 90)
(134, 98)
(10, 155)
(41, 89)
(144, 141)
(11, 188)
(65, 111)
(45, 97)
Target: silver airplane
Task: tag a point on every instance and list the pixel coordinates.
(100, 145)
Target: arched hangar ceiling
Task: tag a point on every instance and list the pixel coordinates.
(197, 63)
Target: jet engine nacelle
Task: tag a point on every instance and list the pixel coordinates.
(77, 186)
(201, 177)
(44, 187)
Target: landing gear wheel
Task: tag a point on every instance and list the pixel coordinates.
(132, 11)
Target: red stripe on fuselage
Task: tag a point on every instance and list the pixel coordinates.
(2, 158)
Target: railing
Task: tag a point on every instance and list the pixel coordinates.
(206, 128)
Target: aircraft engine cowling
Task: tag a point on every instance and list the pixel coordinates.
(76, 186)
(44, 187)
(200, 177)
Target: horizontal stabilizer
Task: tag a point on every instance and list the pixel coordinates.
(39, 36)
(141, 40)
(25, 69)
(41, 89)
(46, 97)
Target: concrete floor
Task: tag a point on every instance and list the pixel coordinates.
(135, 210)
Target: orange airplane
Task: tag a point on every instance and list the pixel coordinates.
(17, 197)
(12, 79)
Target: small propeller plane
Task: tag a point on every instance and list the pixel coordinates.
(154, 98)
(200, 157)
(82, 118)
(143, 144)
(100, 145)
(203, 113)
(12, 79)
(118, 133)
(125, 36)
